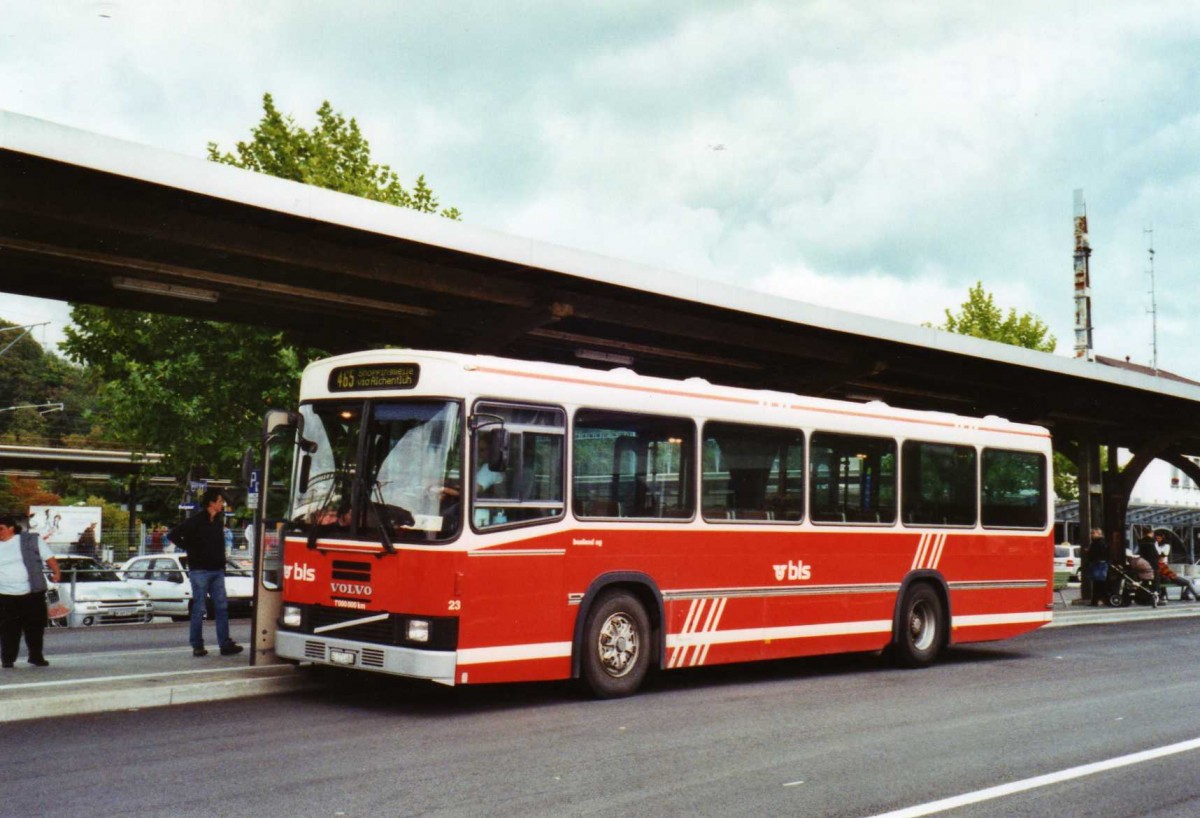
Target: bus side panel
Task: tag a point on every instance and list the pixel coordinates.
(515, 624)
(1001, 584)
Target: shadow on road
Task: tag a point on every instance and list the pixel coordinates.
(368, 691)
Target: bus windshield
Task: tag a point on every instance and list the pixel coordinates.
(380, 470)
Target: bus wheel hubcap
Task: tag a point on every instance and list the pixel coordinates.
(618, 645)
(921, 627)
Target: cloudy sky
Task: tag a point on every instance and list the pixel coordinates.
(879, 157)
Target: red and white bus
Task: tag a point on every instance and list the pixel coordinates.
(470, 519)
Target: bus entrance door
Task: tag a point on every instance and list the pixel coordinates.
(281, 431)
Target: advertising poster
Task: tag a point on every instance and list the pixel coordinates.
(67, 528)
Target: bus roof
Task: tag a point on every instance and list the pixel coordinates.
(553, 378)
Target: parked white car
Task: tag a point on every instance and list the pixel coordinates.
(164, 577)
(1066, 559)
(96, 595)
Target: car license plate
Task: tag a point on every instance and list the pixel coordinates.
(123, 612)
(340, 656)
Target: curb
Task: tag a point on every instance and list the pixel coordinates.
(48, 700)
(1106, 616)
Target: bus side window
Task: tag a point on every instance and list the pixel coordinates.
(852, 479)
(531, 486)
(939, 484)
(1013, 489)
(633, 466)
(752, 473)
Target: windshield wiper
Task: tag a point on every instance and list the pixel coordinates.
(385, 519)
(314, 529)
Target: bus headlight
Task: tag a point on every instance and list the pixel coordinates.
(418, 630)
(291, 616)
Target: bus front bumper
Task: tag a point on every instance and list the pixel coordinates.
(434, 665)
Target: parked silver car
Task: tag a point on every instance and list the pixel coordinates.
(164, 577)
(96, 595)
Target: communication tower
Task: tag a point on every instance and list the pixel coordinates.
(1083, 283)
(1149, 233)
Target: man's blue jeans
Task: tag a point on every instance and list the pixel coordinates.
(209, 583)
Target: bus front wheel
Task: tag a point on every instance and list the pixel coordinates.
(616, 646)
(919, 630)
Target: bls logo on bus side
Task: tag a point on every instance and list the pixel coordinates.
(792, 570)
(300, 572)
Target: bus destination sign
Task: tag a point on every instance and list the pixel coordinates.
(374, 377)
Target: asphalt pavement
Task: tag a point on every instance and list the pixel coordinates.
(134, 677)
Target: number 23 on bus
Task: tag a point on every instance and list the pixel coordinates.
(468, 519)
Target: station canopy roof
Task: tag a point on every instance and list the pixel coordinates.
(97, 220)
(1147, 515)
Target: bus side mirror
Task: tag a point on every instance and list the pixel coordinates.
(498, 445)
(305, 467)
(247, 465)
(276, 419)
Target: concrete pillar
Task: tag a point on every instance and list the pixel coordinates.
(1116, 503)
(1091, 505)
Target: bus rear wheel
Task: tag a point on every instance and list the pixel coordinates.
(919, 629)
(616, 646)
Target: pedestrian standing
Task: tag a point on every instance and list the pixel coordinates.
(23, 592)
(1098, 566)
(202, 536)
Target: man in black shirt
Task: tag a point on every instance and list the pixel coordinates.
(202, 536)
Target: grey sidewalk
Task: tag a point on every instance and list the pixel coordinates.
(1069, 610)
(104, 681)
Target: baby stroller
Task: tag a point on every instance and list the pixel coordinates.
(1125, 588)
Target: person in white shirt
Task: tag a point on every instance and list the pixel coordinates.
(23, 592)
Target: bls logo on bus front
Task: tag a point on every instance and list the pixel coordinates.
(301, 572)
(793, 570)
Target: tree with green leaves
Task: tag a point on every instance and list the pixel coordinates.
(32, 377)
(193, 390)
(196, 390)
(981, 318)
(334, 154)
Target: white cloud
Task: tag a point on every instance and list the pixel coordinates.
(878, 156)
(53, 316)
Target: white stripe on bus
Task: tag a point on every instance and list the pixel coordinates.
(701, 639)
(523, 552)
(514, 653)
(937, 554)
(919, 558)
(981, 620)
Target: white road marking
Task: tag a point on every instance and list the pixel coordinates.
(1042, 780)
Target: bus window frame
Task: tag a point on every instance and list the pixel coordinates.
(794, 430)
(693, 452)
(471, 454)
(1046, 488)
(811, 483)
(978, 484)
